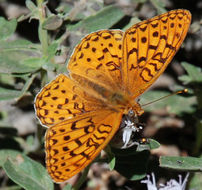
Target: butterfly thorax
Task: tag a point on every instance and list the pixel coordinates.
(110, 97)
(126, 103)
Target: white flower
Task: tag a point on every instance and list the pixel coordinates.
(170, 185)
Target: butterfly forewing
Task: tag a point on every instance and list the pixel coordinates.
(149, 46)
(97, 59)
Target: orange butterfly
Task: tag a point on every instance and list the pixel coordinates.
(109, 69)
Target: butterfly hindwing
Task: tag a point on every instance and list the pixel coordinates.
(72, 144)
(62, 99)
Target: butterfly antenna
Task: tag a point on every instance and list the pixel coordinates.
(174, 93)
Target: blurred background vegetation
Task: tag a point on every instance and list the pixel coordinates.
(36, 42)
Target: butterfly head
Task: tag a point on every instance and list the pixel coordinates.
(135, 109)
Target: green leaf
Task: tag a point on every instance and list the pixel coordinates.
(21, 51)
(140, 1)
(185, 78)
(159, 5)
(8, 94)
(112, 163)
(30, 5)
(154, 144)
(111, 157)
(198, 140)
(13, 187)
(194, 72)
(7, 28)
(7, 80)
(4, 154)
(104, 19)
(34, 11)
(67, 187)
(32, 64)
(149, 145)
(196, 181)
(133, 21)
(52, 23)
(130, 163)
(173, 104)
(27, 85)
(52, 48)
(19, 45)
(181, 163)
(76, 12)
(9, 65)
(25, 172)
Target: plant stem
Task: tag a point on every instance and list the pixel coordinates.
(43, 37)
(43, 34)
(82, 178)
(44, 77)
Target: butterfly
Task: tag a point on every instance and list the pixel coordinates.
(108, 70)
